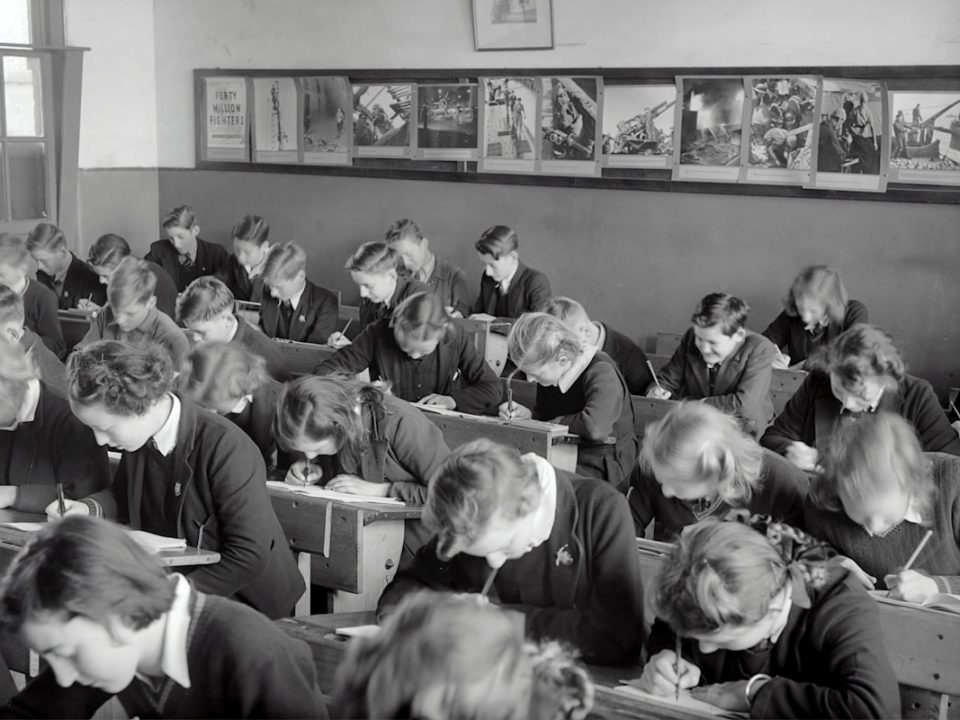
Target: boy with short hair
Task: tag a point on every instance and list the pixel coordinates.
(206, 309)
(722, 363)
(110, 249)
(131, 314)
(445, 279)
(39, 301)
(75, 284)
(12, 330)
(184, 472)
(293, 308)
(116, 624)
(628, 356)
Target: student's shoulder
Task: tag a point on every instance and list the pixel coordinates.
(591, 493)
(216, 430)
(756, 344)
(259, 642)
(215, 250)
(447, 270)
(318, 293)
(837, 596)
(39, 294)
(161, 248)
(620, 342)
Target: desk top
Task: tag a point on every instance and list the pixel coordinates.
(370, 511)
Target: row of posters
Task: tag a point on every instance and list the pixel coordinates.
(803, 130)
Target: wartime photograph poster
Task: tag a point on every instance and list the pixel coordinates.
(326, 120)
(779, 113)
(638, 125)
(275, 124)
(447, 122)
(924, 137)
(512, 24)
(226, 133)
(852, 152)
(570, 127)
(508, 124)
(709, 115)
(381, 120)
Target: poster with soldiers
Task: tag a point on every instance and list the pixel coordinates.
(326, 120)
(638, 125)
(924, 136)
(852, 152)
(381, 120)
(447, 123)
(275, 124)
(779, 113)
(226, 134)
(709, 114)
(570, 125)
(509, 118)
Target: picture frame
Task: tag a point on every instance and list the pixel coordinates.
(513, 24)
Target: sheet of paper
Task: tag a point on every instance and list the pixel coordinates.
(686, 701)
(321, 492)
(25, 526)
(156, 543)
(359, 631)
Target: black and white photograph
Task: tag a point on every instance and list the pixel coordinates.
(569, 125)
(710, 118)
(638, 125)
(925, 137)
(275, 125)
(852, 150)
(327, 119)
(508, 124)
(779, 144)
(512, 24)
(381, 120)
(447, 122)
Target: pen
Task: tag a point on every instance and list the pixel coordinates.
(61, 505)
(510, 393)
(654, 373)
(676, 668)
(346, 327)
(916, 553)
(489, 583)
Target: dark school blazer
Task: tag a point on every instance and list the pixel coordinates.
(80, 283)
(813, 412)
(252, 339)
(581, 586)
(256, 420)
(742, 387)
(313, 321)
(370, 312)
(156, 327)
(40, 315)
(52, 370)
(235, 277)
(787, 331)
(211, 259)
(528, 292)
(629, 358)
(166, 291)
(462, 373)
(450, 283)
(223, 505)
(54, 447)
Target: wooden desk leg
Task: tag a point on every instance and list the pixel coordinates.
(563, 456)
(380, 547)
(303, 604)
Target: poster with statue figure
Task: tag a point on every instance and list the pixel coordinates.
(570, 129)
(275, 126)
(709, 122)
(381, 120)
(326, 121)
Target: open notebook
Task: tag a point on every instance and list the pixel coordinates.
(937, 601)
(321, 492)
(153, 543)
(686, 701)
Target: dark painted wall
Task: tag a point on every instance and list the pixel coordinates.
(638, 260)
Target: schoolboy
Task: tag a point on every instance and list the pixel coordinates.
(243, 273)
(445, 279)
(508, 288)
(628, 356)
(722, 363)
(116, 624)
(184, 472)
(293, 308)
(184, 255)
(39, 302)
(131, 314)
(110, 249)
(206, 309)
(74, 282)
(12, 330)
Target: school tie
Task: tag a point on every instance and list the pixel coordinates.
(186, 262)
(286, 312)
(712, 371)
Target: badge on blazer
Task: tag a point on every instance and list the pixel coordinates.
(303, 318)
(564, 557)
(176, 489)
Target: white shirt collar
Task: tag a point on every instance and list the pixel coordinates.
(545, 514)
(576, 369)
(428, 267)
(176, 628)
(295, 298)
(505, 283)
(236, 327)
(21, 287)
(913, 513)
(28, 409)
(166, 436)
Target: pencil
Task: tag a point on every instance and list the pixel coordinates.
(510, 392)
(916, 553)
(489, 583)
(654, 373)
(676, 668)
(346, 327)
(954, 408)
(61, 505)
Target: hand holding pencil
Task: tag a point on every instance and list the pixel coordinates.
(656, 390)
(911, 585)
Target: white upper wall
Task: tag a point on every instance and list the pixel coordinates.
(190, 34)
(118, 110)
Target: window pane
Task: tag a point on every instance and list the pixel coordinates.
(23, 96)
(15, 21)
(28, 191)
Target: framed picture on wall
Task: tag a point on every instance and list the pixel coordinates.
(326, 120)
(447, 123)
(638, 125)
(509, 118)
(513, 24)
(924, 135)
(570, 124)
(709, 119)
(381, 120)
(225, 134)
(275, 128)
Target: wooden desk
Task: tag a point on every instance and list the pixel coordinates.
(490, 339)
(301, 358)
(74, 324)
(544, 439)
(783, 380)
(352, 549)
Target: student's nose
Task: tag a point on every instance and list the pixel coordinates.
(488, 271)
(63, 670)
(104, 280)
(876, 525)
(310, 455)
(668, 491)
(274, 293)
(101, 437)
(707, 647)
(364, 293)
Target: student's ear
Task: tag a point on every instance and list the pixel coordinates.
(11, 333)
(152, 302)
(740, 334)
(119, 631)
(195, 230)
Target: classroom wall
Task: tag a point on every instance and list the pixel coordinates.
(637, 259)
